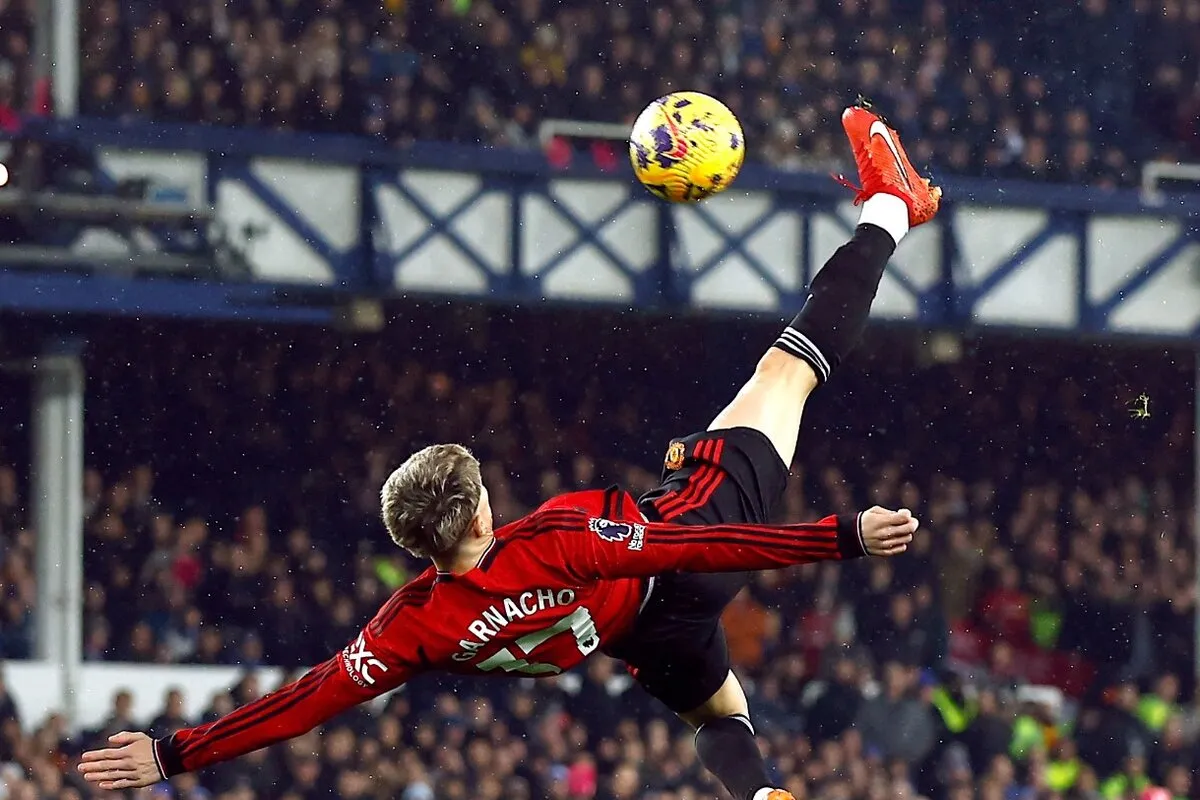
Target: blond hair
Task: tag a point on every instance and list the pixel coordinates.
(429, 502)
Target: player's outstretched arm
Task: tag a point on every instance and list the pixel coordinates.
(593, 548)
(135, 760)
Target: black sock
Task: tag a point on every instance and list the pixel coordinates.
(839, 302)
(728, 750)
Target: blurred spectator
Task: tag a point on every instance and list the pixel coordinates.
(837, 707)
(895, 723)
(1114, 734)
(171, 719)
(16, 43)
(751, 629)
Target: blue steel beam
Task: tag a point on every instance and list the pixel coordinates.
(1145, 273)
(64, 294)
(438, 224)
(735, 244)
(588, 235)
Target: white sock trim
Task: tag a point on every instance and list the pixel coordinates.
(799, 345)
(745, 720)
(763, 793)
(742, 718)
(886, 211)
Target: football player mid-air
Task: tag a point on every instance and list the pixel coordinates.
(645, 580)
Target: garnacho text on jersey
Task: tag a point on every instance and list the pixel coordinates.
(499, 615)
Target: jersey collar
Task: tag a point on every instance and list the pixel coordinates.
(484, 562)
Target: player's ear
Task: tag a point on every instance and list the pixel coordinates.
(479, 527)
(481, 523)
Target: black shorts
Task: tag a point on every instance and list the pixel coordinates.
(677, 649)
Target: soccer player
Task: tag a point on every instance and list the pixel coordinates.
(643, 580)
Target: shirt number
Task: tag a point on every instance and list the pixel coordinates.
(579, 623)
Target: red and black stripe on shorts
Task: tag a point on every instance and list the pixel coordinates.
(699, 486)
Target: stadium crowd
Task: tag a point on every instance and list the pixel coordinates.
(233, 491)
(16, 40)
(1074, 92)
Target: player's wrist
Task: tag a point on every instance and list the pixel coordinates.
(167, 757)
(849, 536)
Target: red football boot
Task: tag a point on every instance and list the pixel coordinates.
(883, 166)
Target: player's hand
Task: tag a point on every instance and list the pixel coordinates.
(887, 533)
(129, 764)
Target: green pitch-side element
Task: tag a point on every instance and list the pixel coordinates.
(1154, 712)
(1139, 407)
(1045, 625)
(957, 717)
(391, 575)
(1122, 785)
(1061, 775)
(1028, 736)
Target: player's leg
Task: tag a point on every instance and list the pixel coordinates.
(726, 744)
(823, 333)
(678, 654)
(737, 472)
(772, 401)
(753, 440)
(894, 197)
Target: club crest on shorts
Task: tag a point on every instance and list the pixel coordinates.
(675, 455)
(610, 531)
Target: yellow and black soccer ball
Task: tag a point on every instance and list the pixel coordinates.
(686, 146)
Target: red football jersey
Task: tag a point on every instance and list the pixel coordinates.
(553, 587)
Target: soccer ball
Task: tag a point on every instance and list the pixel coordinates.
(686, 146)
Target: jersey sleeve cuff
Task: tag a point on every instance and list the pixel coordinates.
(167, 758)
(849, 536)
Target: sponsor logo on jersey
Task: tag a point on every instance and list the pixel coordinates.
(675, 455)
(638, 540)
(610, 531)
(361, 663)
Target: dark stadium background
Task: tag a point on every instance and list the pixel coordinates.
(1040, 640)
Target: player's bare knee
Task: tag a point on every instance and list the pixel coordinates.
(792, 375)
(728, 701)
(706, 714)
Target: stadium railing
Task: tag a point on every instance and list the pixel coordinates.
(314, 216)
